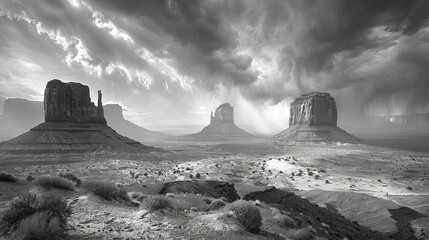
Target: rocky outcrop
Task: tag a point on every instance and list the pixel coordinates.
(313, 109)
(71, 102)
(223, 114)
(115, 118)
(221, 127)
(73, 124)
(313, 119)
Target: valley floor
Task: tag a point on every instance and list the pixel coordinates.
(382, 189)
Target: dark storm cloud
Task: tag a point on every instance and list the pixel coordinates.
(205, 39)
(190, 22)
(265, 53)
(343, 25)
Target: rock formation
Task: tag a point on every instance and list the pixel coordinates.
(416, 119)
(223, 114)
(221, 127)
(71, 102)
(313, 109)
(313, 119)
(115, 118)
(19, 115)
(73, 124)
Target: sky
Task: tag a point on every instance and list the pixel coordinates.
(171, 62)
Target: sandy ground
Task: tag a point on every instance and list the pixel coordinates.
(373, 180)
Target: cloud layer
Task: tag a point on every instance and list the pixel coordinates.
(173, 61)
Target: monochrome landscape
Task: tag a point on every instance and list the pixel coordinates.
(164, 119)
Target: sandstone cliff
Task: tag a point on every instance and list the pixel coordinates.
(71, 102)
(313, 109)
(73, 124)
(223, 114)
(221, 127)
(313, 119)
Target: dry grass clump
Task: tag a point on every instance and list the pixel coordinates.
(285, 220)
(301, 234)
(55, 182)
(107, 190)
(72, 178)
(157, 202)
(40, 226)
(216, 204)
(247, 214)
(7, 177)
(29, 213)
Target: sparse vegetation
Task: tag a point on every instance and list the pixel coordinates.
(30, 178)
(107, 191)
(7, 177)
(301, 234)
(285, 220)
(40, 226)
(247, 214)
(29, 204)
(216, 204)
(157, 202)
(55, 182)
(72, 177)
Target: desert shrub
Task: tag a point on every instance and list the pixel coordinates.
(216, 204)
(153, 203)
(40, 226)
(285, 220)
(7, 177)
(72, 178)
(29, 204)
(55, 182)
(135, 194)
(30, 178)
(107, 190)
(301, 234)
(248, 215)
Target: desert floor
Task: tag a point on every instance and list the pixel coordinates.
(383, 189)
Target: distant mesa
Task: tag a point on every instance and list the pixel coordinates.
(416, 119)
(116, 120)
(313, 119)
(73, 124)
(221, 127)
(19, 115)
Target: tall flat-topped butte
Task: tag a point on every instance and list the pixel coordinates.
(221, 127)
(313, 119)
(73, 124)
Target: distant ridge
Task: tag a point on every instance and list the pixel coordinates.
(116, 120)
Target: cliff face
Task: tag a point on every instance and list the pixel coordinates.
(313, 109)
(313, 119)
(73, 124)
(71, 102)
(223, 114)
